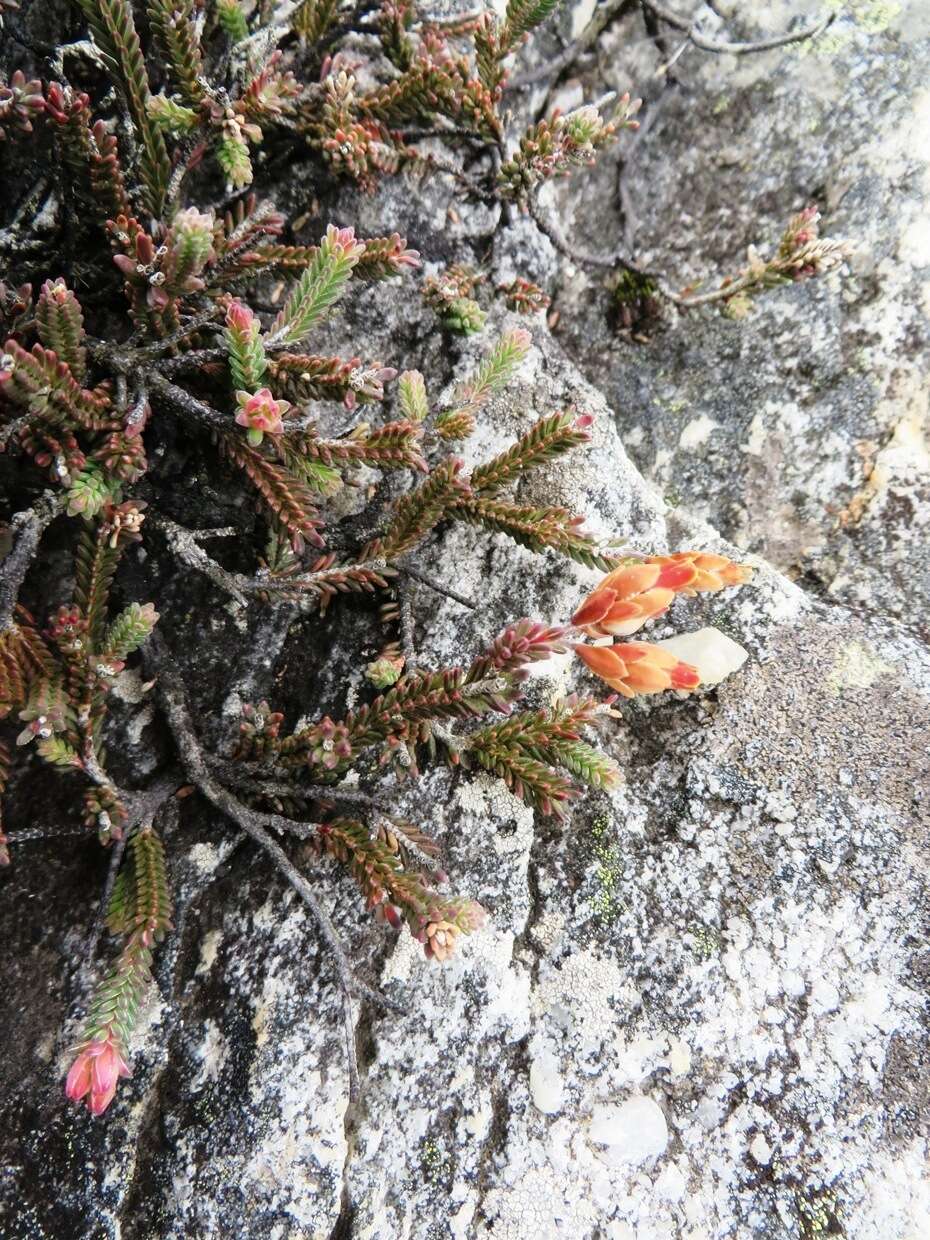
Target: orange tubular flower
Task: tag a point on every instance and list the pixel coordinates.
(712, 572)
(635, 593)
(635, 668)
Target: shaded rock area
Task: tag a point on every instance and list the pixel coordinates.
(700, 1006)
(801, 432)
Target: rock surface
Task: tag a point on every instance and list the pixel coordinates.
(729, 941)
(700, 1007)
(802, 432)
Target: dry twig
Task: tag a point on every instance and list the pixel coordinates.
(28, 527)
(255, 825)
(726, 46)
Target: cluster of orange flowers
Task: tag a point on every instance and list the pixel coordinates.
(630, 596)
(621, 604)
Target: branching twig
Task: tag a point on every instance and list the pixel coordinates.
(253, 777)
(254, 824)
(116, 860)
(439, 131)
(11, 429)
(408, 634)
(556, 65)
(194, 408)
(418, 575)
(442, 165)
(724, 293)
(724, 46)
(33, 835)
(27, 211)
(28, 527)
(143, 807)
(206, 319)
(665, 70)
(455, 744)
(194, 359)
(185, 546)
(447, 19)
(91, 765)
(684, 301)
(181, 167)
(81, 47)
(548, 227)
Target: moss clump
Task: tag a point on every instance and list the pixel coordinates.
(637, 305)
(608, 873)
(705, 942)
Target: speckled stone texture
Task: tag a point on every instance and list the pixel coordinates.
(802, 432)
(699, 1009)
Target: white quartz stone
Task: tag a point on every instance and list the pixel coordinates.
(715, 655)
(546, 1084)
(632, 1132)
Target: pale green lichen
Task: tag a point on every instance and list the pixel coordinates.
(674, 405)
(873, 16)
(705, 941)
(868, 16)
(857, 667)
(435, 1162)
(608, 872)
(722, 620)
(818, 1214)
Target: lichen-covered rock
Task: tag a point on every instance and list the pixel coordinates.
(699, 1006)
(801, 432)
(727, 941)
(724, 950)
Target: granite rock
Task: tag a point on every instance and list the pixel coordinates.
(719, 966)
(801, 432)
(728, 941)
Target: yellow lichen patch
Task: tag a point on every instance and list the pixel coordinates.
(608, 873)
(857, 667)
(906, 454)
(870, 16)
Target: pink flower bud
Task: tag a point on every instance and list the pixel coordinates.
(406, 258)
(145, 248)
(343, 239)
(239, 316)
(95, 1073)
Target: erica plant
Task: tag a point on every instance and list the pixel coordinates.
(159, 316)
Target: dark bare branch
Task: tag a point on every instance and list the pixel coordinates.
(27, 527)
(726, 46)
(553, 67)
(418, 575)
(256, 825)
